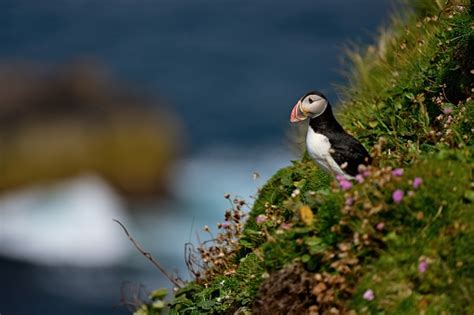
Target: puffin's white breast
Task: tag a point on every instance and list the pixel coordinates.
(319, 147)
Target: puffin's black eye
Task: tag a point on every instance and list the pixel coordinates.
(310, 101)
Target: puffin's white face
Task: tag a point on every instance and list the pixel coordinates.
(310, 106)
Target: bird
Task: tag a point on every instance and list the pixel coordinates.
(328, 144)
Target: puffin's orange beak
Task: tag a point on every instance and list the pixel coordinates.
(297, 114)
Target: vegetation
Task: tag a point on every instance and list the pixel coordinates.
(398, 239)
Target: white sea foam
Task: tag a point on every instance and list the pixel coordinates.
(68, 223)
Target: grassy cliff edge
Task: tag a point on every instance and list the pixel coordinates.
(398, 240)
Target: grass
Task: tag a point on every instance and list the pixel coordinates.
(399, 240)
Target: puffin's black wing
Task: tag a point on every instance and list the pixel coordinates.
(347, 149)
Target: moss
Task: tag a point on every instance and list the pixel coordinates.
(302, 175)
(225, 294)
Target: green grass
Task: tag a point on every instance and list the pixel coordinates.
(392, 86)
(408, 99)
(443, 234)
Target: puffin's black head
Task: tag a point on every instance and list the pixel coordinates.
(311, 105)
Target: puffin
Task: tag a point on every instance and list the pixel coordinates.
(332, 148)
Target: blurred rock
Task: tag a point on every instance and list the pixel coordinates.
(56, 125)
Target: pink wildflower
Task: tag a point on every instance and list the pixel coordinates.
(285, 226)
(359, 178)
(397, 172)
(397, 196)
(261, 218)
(380, 226)
(349, 201)
(449, 120)
(447, 110)
(345, 184)
(417, 182)
(422, 266)
(369, 295)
